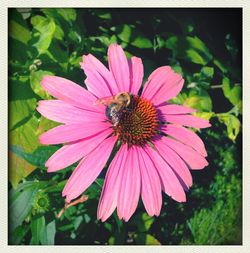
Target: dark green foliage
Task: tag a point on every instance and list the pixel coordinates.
(203, 45)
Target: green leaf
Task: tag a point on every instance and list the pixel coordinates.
(18, 169)
(111, 240)
(207, 73)
(232, 93)
(220, 65)
(22, 102)
(202, 79)
(95, 189)
(129, 34)
(25, 135)
(189, 48)
(19, 233)
(45, 124)
(177, 68)
(21, 201)
(19, 32)
(226, 86)
(47, 236)
(151, 240)
(193, 56)
(199, 100)
(59, 33)
(125, 32)
(231, 46)
(46, 28)
(20, 88)
(37, 229)
(57, 54)
(233, 124)
(218, 223)
(108, 226)
(146, 239)
(18, 61)
(21, 111)
(142, 42)
(75, 36)
(23, 127)
(38, 157)
(77, 221)
(143, 222)
(204, 115)
(67, 13)
(103, 14)
(35, 83)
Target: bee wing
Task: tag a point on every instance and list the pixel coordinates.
(104, 101)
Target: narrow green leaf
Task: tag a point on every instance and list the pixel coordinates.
(37, 229)
(47, 236)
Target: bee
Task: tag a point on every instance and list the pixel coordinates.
(116, 106)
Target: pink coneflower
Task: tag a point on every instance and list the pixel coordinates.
(155, 151)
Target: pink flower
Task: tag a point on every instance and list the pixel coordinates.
(155, 152)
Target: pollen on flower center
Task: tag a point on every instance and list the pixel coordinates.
(137, 123)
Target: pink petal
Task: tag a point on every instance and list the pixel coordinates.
(99, 80)
(88, 169)
(151, 185)
(71, 153)
(136, 74)
(185, 136)
(59, 111)
(174, 109)
(74, 132)
(162, 85)
(130, 186)
(69, 92)
(154, 82)
(118, 66)
(195, 160)
(170, 182)
(110, 190)
(188, 120)
(175, 162)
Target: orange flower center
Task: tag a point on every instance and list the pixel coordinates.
(137, 123)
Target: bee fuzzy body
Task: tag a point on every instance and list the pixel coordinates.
(116, 105)
(113, 114)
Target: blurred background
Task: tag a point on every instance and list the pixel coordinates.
(204, 45)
